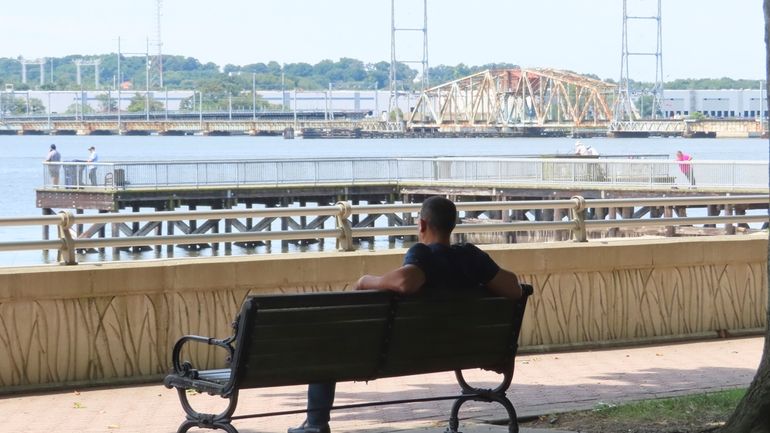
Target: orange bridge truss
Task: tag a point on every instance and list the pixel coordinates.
(510, 98)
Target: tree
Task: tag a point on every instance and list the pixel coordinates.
(644, 104)
(20, 106)
(138, 104)
(753, 412)
(78, 108)
(107, 104)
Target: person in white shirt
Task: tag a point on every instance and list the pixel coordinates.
(92, 157)
(53, 169)
(580, 148)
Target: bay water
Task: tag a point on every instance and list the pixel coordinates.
(21, 168)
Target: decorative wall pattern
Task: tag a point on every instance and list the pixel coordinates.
(112, 323)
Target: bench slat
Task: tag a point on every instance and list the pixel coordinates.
(309, 338)
(320, 314)
(436, 365)
(320, 299)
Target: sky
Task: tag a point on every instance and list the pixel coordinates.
(700, 38)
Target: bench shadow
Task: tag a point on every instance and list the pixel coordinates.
(529, 399)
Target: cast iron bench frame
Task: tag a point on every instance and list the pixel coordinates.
(297, 339)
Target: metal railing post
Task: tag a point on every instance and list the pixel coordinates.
(578, 216)
(345, 239)
(66, 254)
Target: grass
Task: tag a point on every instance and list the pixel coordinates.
(692, 413)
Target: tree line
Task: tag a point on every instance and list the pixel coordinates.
(182, 72)
(227, 86)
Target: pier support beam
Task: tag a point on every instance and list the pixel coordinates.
(669, 213)
(713, 210)
(613, 215)
(729, 228)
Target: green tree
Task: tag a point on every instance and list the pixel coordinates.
(20, 106)
(107, 103)
(644, 105)
(78, 108)
(139, 103)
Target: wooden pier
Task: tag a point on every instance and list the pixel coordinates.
(304, 195)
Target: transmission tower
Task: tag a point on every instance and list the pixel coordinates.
(624, 107)
(394, 78)
(156, 73)
(79, 63)
(32, 62)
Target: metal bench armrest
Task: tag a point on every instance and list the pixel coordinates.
(184, 369)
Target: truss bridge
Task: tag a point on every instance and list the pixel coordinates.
(541, 99)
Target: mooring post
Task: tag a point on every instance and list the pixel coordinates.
(345, 239)
(578, 214)
(66, 254)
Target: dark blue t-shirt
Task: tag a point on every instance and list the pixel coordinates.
(458, 266)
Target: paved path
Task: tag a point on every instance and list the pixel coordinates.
(543, 383)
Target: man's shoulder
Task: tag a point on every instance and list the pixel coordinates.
(465, 246)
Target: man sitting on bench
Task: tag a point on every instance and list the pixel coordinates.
(432, 263)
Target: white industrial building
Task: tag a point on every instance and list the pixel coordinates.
(746, 103)
(369, 101)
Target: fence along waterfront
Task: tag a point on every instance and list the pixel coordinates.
(642, 174)
(344, 233)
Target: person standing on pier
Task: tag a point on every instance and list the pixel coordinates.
(92, 157)
(685, 166)
(432, 264)
(53, 158)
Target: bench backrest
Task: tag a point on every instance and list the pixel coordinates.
(342, 336)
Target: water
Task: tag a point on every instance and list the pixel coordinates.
(21, 170)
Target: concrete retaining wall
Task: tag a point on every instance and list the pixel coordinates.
(111, 322)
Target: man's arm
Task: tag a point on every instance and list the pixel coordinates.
(506, 284)
(405, 280)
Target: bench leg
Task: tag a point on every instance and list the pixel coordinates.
(207, 420)
(454, 417)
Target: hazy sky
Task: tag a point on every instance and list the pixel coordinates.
(701, 38)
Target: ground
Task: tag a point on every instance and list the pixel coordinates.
(589, 423)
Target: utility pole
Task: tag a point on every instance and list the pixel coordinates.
(120, 84)
(147, 82)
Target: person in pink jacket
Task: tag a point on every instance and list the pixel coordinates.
(685, 165)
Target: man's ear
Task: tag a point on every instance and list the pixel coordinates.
(422, 225)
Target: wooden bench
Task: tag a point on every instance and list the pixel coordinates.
(356, 336)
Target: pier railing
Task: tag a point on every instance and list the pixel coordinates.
(638, 174)
(344, 231)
